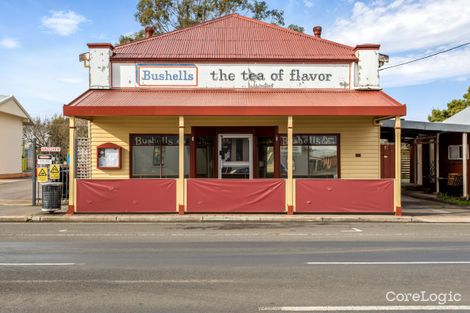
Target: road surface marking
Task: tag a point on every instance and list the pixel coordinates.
(388, 263)
(363, 308)
(352, 230)
(37, 264)
(118, 281)
(62, 230)
(440, 211)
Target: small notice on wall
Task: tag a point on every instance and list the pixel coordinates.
(108, 157)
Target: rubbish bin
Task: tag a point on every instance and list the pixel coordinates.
(51, 196)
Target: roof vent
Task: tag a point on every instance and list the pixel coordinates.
(149, 30)
(317, 31)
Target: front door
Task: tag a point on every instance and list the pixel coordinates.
(235, 156)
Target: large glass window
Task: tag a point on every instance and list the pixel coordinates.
(314, 156)
(156, 156)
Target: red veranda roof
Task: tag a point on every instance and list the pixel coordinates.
(224, 102)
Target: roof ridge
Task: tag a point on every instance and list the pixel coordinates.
(175, 31)
(287, 30)
(236, 15)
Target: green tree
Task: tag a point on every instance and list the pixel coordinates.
(53, 132)
(168, 15)
(297, 28)
(453, 107)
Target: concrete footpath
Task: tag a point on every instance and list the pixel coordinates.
(36, 216)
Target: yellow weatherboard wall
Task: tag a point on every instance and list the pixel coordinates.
(116, 130)
(358, 135)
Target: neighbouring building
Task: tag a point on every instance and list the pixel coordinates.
(12, 118)
(436, 155)
(234, 115)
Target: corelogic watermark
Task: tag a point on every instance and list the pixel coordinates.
(440, 298)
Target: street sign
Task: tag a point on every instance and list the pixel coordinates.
(42, 175)
(44, 159)
(50, 149)
(54, 171)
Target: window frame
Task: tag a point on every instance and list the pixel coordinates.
(131, 153)
(460, 147)
(338, 151)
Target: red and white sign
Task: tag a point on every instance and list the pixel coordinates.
(50, 149)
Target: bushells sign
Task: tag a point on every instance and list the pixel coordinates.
(243, 75)
(167, 75)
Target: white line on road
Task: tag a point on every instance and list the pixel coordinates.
(363, 308)
(388, 263)
(440, 211)
(37, 264)
(352, 230)
(117, 281)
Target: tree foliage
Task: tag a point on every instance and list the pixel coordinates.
(453, 107)
(168, 15)
(297, 28)
(53, 132)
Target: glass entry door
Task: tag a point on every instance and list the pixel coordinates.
(235, 156)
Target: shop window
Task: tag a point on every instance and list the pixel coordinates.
(156, 156)
(314, 156)
(265, 157)
(455, 152)
(204, 156)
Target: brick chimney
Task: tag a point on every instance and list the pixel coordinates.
(149, 30)
(317, 31)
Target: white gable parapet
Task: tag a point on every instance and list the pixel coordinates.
(100, 65)
(367, 68)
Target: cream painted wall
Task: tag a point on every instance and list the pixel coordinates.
(359, 137)
(11, 133)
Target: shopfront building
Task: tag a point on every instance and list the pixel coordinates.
(234, 115)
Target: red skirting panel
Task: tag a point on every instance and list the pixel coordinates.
(344, 196)
(236, 196)
(126, 196)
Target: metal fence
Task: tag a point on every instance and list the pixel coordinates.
(82, 170)
(64, 179)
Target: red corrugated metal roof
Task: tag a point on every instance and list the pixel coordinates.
(132, 102)
(234, 37)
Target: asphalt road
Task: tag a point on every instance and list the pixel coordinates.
(216, 267)
(15, 190)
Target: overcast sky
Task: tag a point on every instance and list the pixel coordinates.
(40, 42)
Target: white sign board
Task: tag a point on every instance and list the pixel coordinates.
(44, 159)
(232, 75)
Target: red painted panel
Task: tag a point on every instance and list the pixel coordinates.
(387, 165)
(236, 196)
(126, 196)
(344, 196)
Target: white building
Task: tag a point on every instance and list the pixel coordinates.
(12, 118)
